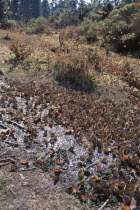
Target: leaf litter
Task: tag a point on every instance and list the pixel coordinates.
(87, 143)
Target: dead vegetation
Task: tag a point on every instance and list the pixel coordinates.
(99, 106)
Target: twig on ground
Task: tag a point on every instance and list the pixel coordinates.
(3, 160)
(38, 166)
(12, 191)
(3, 126)
(4, 153)
(28, 169)
(4, 164)
(7, 160)
(90, 165)
(14, 123)
(105, 203)
(12, 144)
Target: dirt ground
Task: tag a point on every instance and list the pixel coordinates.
(33, 188)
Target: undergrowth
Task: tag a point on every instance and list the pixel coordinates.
(77, 66)
(63, 56)
(75, 75)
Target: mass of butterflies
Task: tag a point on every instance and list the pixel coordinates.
(97, 123)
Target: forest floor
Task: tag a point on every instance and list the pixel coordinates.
(62, 148)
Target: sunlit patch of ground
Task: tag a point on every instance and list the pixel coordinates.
(33, 190)
(111, 102)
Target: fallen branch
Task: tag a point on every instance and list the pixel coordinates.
(28, 169)
(90, 165)
(14, 123)
(105, 203)
(12, 144)
(3, 153)
(12, 160)
(7, 160)
(3, 160)
(4, 164)
(12, 191)
(38, 166)
(3, 126)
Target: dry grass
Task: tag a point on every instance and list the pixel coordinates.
(57, 54)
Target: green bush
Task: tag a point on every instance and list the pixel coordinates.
(3, 14)
(91, 36)
(136, 23)
(35, 26)
(85, 26)
(12, 24)
(127, 11)
(29, 30)
(121, 30)
(94, 16)
(88, 29)
(64, 19)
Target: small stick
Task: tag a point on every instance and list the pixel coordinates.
(12, 144)
(90, 165)
(28, 169)
(3, 153)
(105, 203)
(40, 167)
(3, 126)
(7, 160)
(12, 191)
(4, 164)
(10, 159)
(3, 160)
(18, 125)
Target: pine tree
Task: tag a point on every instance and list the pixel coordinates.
(2, 11)
(53, 6)
(14, 8)
(60, 5)
(45, 8)
(26, 9)
(96, 5)
(36, 8)
(73, 5)
(83, 10)
(107, 8)
(8, 3)
(82, 3)
(67, 4)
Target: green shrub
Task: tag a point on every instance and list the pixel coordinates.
(88, 29)
(91, 36)
(35, 26)
(121, 30)
(40, 24)
(29, 30)
(136, 94)
(62, 20)
(127, 11)
(135, 21)
(94, 16)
